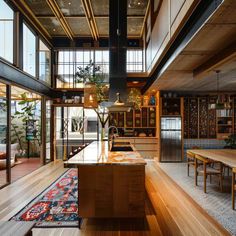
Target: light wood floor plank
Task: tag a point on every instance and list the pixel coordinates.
(170, 211)
(178, 208)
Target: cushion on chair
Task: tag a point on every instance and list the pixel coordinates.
(2, 155)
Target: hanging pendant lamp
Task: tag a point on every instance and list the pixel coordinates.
(221, 103)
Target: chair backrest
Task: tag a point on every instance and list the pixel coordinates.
(234, 170)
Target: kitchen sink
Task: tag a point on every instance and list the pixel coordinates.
(121, 149)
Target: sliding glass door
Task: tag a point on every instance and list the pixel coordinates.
(3, 136)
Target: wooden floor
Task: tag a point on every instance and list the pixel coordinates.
(170, 211)
(177, 212)
(23, 167)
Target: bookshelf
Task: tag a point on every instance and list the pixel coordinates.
(136, 121)
(200, 122)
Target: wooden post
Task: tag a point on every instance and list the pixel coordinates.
(195, 168)
(233, 189)
(43, 132)
(204, 175)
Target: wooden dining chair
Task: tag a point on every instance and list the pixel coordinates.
(190, 160)
(233, 187)
(207, 170)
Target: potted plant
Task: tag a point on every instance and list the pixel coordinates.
(231, 142)
(19, 122)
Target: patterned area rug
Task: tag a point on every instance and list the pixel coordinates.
(216, 203)
(56, 206)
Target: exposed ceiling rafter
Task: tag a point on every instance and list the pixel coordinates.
(83, 16)
(24, 8)
(90, 18)
(145, 19)
(60, 17)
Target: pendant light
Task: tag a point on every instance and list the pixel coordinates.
(224, 103)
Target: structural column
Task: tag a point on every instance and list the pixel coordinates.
(117, 48)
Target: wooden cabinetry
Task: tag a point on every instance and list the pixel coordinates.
(203, 117)
(212, 118)
(111, 191)
(200, 121)
(234, 112)
(147, 147)
(171, 107)
(186, 117)
(224, 123)
(140, 120)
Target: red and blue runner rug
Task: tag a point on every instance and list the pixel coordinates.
(56, 206)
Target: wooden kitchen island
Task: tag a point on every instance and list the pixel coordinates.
(110, 184)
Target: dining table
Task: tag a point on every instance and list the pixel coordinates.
(225, 156)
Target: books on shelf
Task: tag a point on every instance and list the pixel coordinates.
(224, 113)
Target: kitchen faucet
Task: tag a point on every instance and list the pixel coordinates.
(112, 137)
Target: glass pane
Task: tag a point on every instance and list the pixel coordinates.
(69, 131)
(6, 32)
(48, 131)
(90, 125)
(44, 62)
(25, 132)
(29, 51)
(134, 60)
(3, 128)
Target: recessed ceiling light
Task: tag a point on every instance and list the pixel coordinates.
(69, 3)
(139, 3)
(54, 30)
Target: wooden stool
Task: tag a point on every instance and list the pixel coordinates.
(207, 170)
(233, 187)
(190, 160)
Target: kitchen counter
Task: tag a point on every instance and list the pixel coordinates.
(97, 153)
(110, 184)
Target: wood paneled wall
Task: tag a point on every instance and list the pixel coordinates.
(170, 19)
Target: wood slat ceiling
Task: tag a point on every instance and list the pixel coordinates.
(74, 14)
(214, 37)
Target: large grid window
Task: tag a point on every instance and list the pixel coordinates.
(29, 51)
(70, 61)
(134, 60)
(102, 59)
(44, 63)
(6, 31)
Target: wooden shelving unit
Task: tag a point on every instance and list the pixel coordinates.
(171, 107)
(224, 123)
(203, 117)
(140, 121)
(200, 122)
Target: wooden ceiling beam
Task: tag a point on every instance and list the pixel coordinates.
(145, 19)
(93, 19)
(83, 16)
(60, 17)
(214, 62)
(27, 12)
(90, 18)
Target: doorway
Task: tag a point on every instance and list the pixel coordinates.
(75, 127)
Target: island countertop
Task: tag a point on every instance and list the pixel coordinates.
(97, 153)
